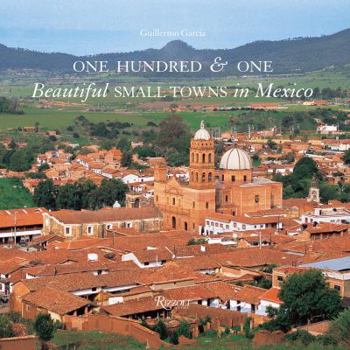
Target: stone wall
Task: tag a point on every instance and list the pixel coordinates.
(20, 343)
(118, 325)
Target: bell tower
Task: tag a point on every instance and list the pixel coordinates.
(314, 191)
(202, 160)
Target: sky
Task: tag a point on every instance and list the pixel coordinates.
(99, 26)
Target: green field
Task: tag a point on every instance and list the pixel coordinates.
(13, 195)
(104, 341)
(52, 119)
(57, 119)
(133, 110)
(94, 340)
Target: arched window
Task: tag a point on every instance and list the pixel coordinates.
(192, 176)
(197, 158)
(192, 157)
(196, 177)
(209, 158)
(203, 177)
(245, 178)
(233, 178)
(174, 201)
(203, 158)
(173, 222)
(222, 177)
(186, 226)
(209, 177)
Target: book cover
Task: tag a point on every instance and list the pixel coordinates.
(174, 174)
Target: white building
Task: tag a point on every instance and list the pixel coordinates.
(221, 223)
(329, 215)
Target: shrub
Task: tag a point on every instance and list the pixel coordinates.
(301, 336)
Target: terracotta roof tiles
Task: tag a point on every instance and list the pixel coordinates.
(55, 300)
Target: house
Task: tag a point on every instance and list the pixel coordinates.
(20, 224)
(217, 223)
(247, 299)
(137, 309)
(149, 257)
(337, 273)
(55, 302)
(325, 129)
(323, 230)
(269, 299)
(327, 214)
(8, 269)
(85, 284)
(74, 224)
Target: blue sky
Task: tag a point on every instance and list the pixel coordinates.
(94, 26)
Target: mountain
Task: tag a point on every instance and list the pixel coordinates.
(288, 56)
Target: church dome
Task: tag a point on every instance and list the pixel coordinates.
(202, 133)
(235, 159)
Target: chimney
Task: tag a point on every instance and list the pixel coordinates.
(92, 257)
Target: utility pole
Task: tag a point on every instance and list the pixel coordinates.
(260, 239)
(15, 229)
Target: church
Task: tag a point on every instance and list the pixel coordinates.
(229, 189)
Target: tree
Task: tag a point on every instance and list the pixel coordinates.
(110, 191)
(68, 197)
(306, 167)
(272, 145)
(246, 327)
(44, 328)
(184, 329)
(174, 338)
(346, 157)
(329, 192)
(280, 319)
(113, 190)
(43, 167)
(171, 130)
(160, 328)
(126, 158)
(298, 183)
(124, 144)
(21, 159)
(306, 296)
(5, 327)
(301, 336)
(256, 159)
(174, 140)
(340, 328)
(144, 152)
(45, 194)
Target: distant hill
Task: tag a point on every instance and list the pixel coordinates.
(289, 56)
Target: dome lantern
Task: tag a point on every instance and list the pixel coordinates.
(202, 133)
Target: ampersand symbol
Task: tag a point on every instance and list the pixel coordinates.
(218, 66)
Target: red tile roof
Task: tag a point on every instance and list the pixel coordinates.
(103, 215)
(21, 217)
(250, 294)
(55, 300)
(272, 295)
(132, 307)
